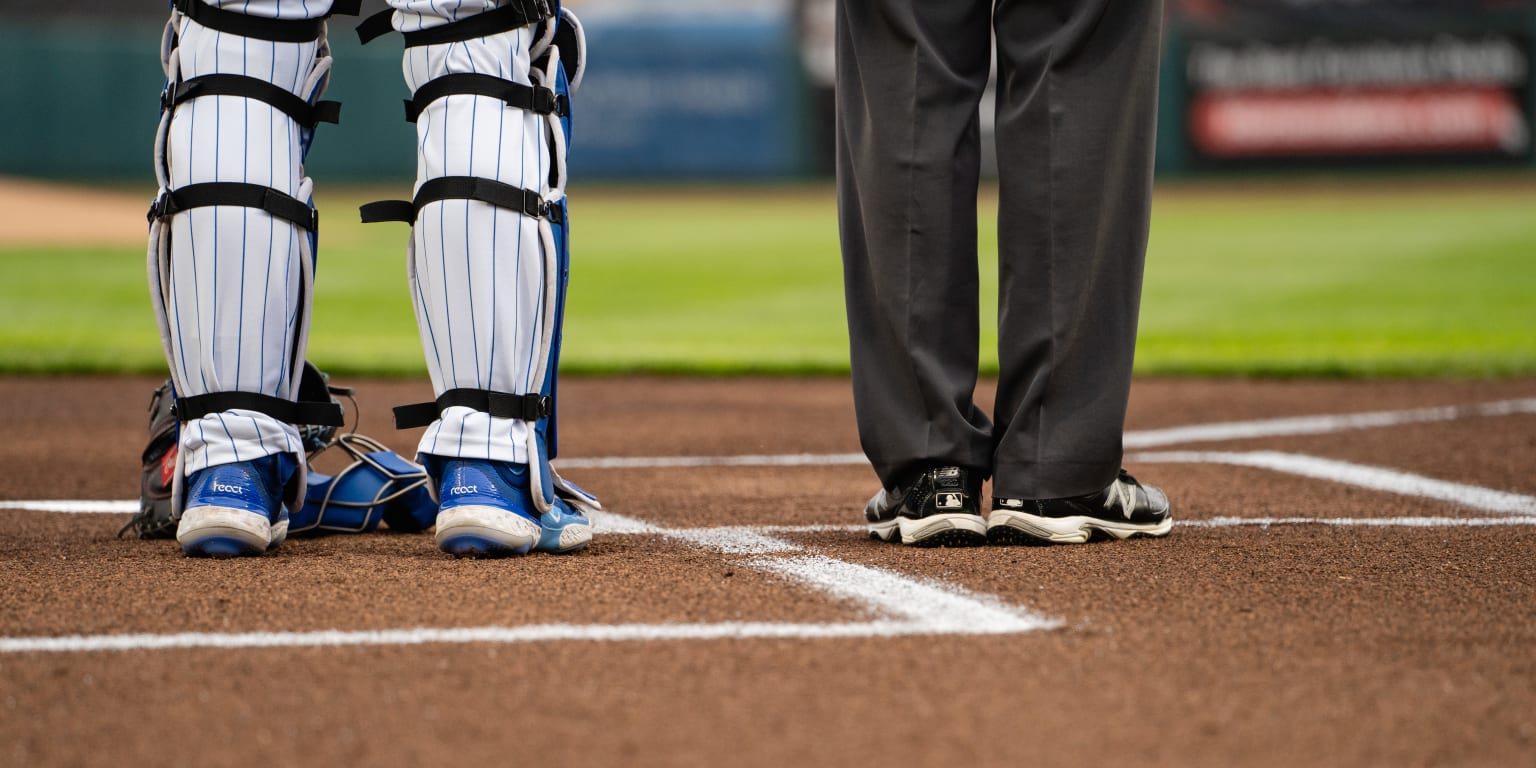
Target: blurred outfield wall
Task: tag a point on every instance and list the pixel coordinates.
(666, 95)
(682, 89)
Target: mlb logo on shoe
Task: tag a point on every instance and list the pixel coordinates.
(950, 500)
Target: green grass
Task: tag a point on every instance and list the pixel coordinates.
(1415, 278)
(1389, 282)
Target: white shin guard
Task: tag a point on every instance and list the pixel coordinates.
(479, 277)
(488, 252)
(232, 234)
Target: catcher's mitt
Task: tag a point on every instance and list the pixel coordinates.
(376, 486)
(155, 519)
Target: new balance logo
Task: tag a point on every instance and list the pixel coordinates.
(219, 487)
(460, 490)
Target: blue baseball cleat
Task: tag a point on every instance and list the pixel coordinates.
(563, 529)
(486, 510)
(236, 510)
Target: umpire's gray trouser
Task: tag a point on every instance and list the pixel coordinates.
(1076, 99)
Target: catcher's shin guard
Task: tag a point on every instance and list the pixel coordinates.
(232, 228)
(489, 252)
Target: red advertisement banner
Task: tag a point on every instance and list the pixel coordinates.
(1445, 120)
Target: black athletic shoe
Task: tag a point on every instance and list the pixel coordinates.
(1123, 510)
(939, 508)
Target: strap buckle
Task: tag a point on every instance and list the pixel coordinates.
(543, 405)
(533, 204)
(547, 102)
(159, 208)
(555, 212)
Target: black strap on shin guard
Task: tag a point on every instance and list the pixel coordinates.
(277, 203)
(524, 201)
(316, 406)
(319, 414)
(260, 27)
(304, 113)
(537, 99)
(501, 405)
(519, 13)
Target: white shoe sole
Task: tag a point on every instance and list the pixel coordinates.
(943, 530)
(225, 532)
(1008, 526)
(573, 537)
(482, 530)
(884, 531)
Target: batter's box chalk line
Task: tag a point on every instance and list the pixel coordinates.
(898, 605)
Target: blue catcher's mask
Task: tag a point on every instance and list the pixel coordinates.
(379, 485)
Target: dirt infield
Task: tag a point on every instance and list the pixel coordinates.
(54, 214)
(731, 612)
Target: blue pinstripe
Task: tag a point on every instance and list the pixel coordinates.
(444, 310)
(234, 444)
(194, 153)
(206, 344)
(538, 303)
(469, 278)
(266, 283)
(256, 427)
(501, 128)
(245, 176)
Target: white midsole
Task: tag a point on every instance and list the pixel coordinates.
(201, 523)
(574, 535)
(1074, 528)
(917, 530)
(885, 529)
(494, 523)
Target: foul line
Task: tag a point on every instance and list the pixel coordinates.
(1198, 433)
(1374, 478)
(1321, 425)
(1360, 522)
(535, 633)
(74, 507)
(899, 605)
(748, 460)
(1216, 432)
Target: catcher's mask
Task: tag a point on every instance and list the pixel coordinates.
(378, 485)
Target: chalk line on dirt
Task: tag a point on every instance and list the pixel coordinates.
(1290, 426)
(900, 605)
(1359, 475)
